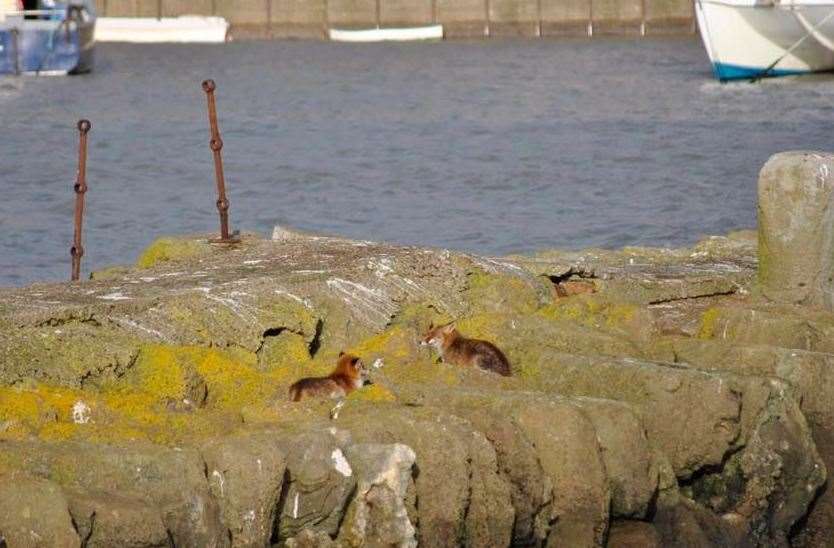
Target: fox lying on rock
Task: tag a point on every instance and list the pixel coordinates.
(456, 349)
(350, 374)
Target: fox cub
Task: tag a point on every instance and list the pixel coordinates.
(350, 374)
(456, 349)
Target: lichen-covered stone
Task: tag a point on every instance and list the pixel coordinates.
(165, 250)
(796, 220)
(246, 473)
(378, 515)
(171, 480)
(443, 447)
(806, 374)
(652, 395)
(670, 399)
(106, 520)
(512, 422)
(34, 512)
(284, 350)
(630, 463)
(320, 480)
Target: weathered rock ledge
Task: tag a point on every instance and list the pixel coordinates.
(658, 398)
(648, 400)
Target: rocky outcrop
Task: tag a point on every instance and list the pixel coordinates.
(657, 399)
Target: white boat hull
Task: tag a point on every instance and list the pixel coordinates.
(433, 32)
(749, 39)
(186, 29)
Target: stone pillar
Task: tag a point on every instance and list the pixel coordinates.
(796, 228)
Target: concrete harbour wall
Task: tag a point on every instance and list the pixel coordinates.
(460, 18)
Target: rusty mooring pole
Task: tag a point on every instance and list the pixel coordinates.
(216, 145)
(77, 250)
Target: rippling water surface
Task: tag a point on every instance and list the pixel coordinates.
(490, 146)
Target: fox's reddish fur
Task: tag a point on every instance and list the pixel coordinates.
(456, 349)
(350, 374)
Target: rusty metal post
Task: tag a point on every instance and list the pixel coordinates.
(216, 145)
(77, 250)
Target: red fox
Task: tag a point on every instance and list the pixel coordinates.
(350, 374)
(456, 349)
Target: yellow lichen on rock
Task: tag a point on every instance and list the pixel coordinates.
(396, 343)
(593, 310)
(373, 393)
(160, 371)
(232, 379)
(709, 321)
(57, 431)
(489, 292)
(224, 378)
(286, 351)
(37, 405)
(170, 249)
(482, 326)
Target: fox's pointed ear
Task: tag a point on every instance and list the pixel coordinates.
(431, 324)
(449, 328)
(341, 353)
